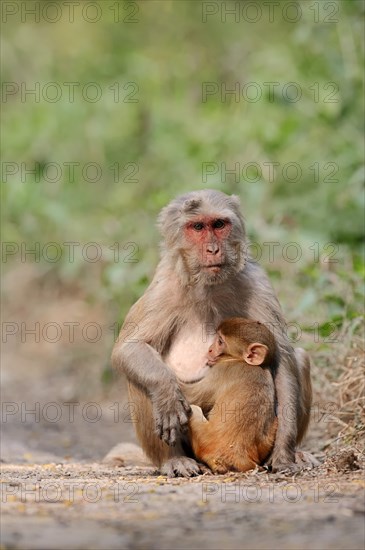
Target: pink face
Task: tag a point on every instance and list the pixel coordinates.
(217, 349)
(208, 235)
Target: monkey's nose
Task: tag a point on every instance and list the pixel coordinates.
(212, 248)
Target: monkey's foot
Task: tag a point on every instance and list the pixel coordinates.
(285, 467)
(283, 463)
(182, 466)
(197, 414)
(303, 459)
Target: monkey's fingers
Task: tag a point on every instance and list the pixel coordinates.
(166, 433)
(186, 406)
(183, 421)
(306, 460)
(181, 466)
(204, 469)
(285, 467)
(159, 425)
(172, 439)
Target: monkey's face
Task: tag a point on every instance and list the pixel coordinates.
(210, 253)
(230, 343)
(216, 350)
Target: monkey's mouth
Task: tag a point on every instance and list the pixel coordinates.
(214, 268)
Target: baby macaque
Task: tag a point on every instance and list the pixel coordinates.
(238, 398)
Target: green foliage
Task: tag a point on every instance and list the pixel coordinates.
(161, 141)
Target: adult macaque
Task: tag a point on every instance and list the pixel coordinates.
(238, 397)
(204, 276)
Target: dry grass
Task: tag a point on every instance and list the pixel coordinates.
(350, 387)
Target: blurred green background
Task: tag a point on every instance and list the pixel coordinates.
(138, 111)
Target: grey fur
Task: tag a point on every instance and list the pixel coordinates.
(179, 292)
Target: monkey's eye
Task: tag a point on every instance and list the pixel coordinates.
(219, 224)
(220, 341)
(198, 226)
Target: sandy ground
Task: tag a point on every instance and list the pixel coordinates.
(59, 421)
(55, 497)
(86, 505)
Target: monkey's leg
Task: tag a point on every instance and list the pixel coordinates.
(305, 397)
(304, 459)
(288, 396)
(208, 442)
(171, 460)
(295, 399)
(265, 443)
(204, 440)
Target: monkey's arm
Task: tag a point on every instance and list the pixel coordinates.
(144, 367)
(201, 393)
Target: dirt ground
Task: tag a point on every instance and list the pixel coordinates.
(59, 421)
(85, 505)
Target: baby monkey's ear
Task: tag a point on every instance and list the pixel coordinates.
(255, 354)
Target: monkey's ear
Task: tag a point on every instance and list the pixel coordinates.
(255, 354)
(235, 201)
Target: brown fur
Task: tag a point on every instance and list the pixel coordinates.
(239, 400)
(182, 293)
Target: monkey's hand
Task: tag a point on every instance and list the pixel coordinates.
(171, 412)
